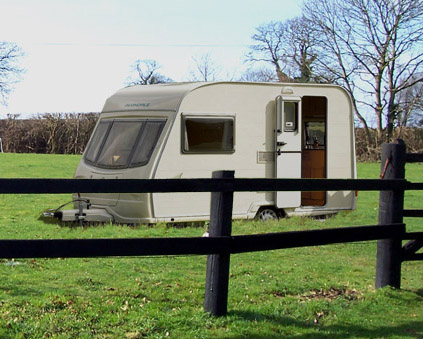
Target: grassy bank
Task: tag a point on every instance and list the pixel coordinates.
(321, 292)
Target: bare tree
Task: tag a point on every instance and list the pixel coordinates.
(262, 74)
(300, 47)
(205, 69)
(410, 106)
(145, 72)
(289, 47)
(371, 47)
(10, 72)
(268, 48)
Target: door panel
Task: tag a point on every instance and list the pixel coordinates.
(289, 167)
(288, 147)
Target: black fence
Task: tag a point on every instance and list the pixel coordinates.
(390, 230)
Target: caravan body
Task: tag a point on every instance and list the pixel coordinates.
(259, 130)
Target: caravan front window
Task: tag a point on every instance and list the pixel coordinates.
(123, 143)
(208, 134)
(119, 143)
(147, 142)
(96, 141)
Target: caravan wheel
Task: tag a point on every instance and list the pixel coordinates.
(267, 214)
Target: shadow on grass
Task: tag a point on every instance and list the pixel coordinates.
(419, 292)
(24, 292)
(411, 329)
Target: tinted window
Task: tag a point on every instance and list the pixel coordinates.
(119, 144)
(208, 135)
(96, 141)
(147, 142)
(124, 143)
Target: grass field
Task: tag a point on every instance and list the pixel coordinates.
(316, 292)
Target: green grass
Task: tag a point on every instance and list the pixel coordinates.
(320, 292)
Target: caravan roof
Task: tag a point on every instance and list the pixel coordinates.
(168, 97)
(149, 97)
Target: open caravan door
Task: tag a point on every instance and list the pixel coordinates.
(288, 147)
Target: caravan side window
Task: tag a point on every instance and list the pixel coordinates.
(208, 134)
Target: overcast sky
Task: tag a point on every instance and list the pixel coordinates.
(78, 52)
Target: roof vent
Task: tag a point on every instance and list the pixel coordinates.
(287, 90)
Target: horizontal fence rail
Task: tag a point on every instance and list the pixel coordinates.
(53, 186)
(413, 213)
(84, 248)
(414, 157)
(413, 235)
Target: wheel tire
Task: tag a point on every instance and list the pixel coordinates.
(267, 214)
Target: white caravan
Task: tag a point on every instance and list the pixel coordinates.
(189, 130)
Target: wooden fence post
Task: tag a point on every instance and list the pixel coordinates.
(217, 275)
(391, 208)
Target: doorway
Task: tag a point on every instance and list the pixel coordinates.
(313, 155)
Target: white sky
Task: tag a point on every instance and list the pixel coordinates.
(78, 52)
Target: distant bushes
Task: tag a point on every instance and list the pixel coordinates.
(60, 133)
(68, 133)
(412, 136)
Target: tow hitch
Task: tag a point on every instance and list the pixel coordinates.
(84, 214)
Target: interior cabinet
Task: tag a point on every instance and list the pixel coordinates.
(313, 166)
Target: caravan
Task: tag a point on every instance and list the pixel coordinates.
(189, 130)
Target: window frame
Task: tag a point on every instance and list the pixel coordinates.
(185, 117)
(128, 163)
